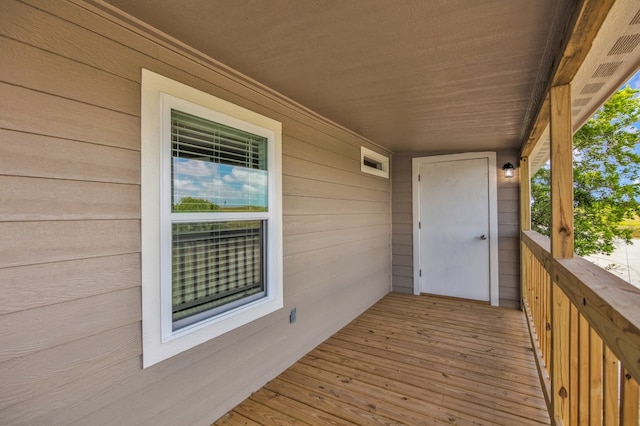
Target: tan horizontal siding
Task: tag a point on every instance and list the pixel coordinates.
(321, 279)
(402, 225)
(17, 106)
(295, 225)
(342, 156)
(305, 205)
(330, 239)
(406, 239)
(302, 168)
(31, 243)
(49, 157)
(68, 362)
(32, 67)
(511, 256)
(508, 231)
(325, 257)
(41, 199)
(26, 332)
(70, 349)
(33, 286)
(321, 189)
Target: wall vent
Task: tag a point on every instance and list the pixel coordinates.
(374, 163)
(625, 44)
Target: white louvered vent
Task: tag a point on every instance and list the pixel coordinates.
(373, 163)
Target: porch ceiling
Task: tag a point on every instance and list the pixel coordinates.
(409, 75)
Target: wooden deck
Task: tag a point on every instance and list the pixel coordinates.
(414, 360)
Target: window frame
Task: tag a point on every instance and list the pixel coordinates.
(159, 96)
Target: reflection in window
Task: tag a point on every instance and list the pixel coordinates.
(216, 167)
(217, 264)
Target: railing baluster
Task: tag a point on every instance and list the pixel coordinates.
(573, 363)
(583, 371)
(594, 325)
(611, 374)
(546, 319)
(629, 399)
(595, 378)
(560, 323)
(536, 300)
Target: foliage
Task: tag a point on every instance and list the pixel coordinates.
(192, 204)
(605, 177)
(633, 225)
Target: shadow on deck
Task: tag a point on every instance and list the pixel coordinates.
(414, 360)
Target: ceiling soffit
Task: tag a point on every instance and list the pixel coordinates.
(613, 58)
(409, 75)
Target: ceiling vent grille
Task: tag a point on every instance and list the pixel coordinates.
(636, 19)
(580, 102)
(625, 44)
(607, 69)
(591, 88)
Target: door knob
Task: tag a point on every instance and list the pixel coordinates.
(483, 237)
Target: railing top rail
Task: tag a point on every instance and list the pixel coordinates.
(610, 304)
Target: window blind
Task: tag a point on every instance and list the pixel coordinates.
(198, 138)
(215, 264)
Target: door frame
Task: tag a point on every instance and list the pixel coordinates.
(494, 295)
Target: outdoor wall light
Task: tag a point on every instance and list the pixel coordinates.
(508, 170)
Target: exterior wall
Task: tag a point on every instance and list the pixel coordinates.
(70, 318)
(508, 226)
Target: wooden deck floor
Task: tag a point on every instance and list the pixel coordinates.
(410, 360)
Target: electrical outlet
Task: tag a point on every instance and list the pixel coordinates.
(292, 316)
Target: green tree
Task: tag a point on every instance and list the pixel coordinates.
(606, 173)
(193, 204)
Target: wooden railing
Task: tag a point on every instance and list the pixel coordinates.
(585, 328)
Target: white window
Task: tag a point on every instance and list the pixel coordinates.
(211, 217)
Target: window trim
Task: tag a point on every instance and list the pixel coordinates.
(159, 95)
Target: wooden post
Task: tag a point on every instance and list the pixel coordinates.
(525, 194)
(561, 172)
(525, 225)
(561, 247)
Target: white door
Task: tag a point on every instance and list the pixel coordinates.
(455, 229)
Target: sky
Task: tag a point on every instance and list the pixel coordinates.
(222, 184)
(634, 82)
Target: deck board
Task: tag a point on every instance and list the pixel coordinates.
(410, 360)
